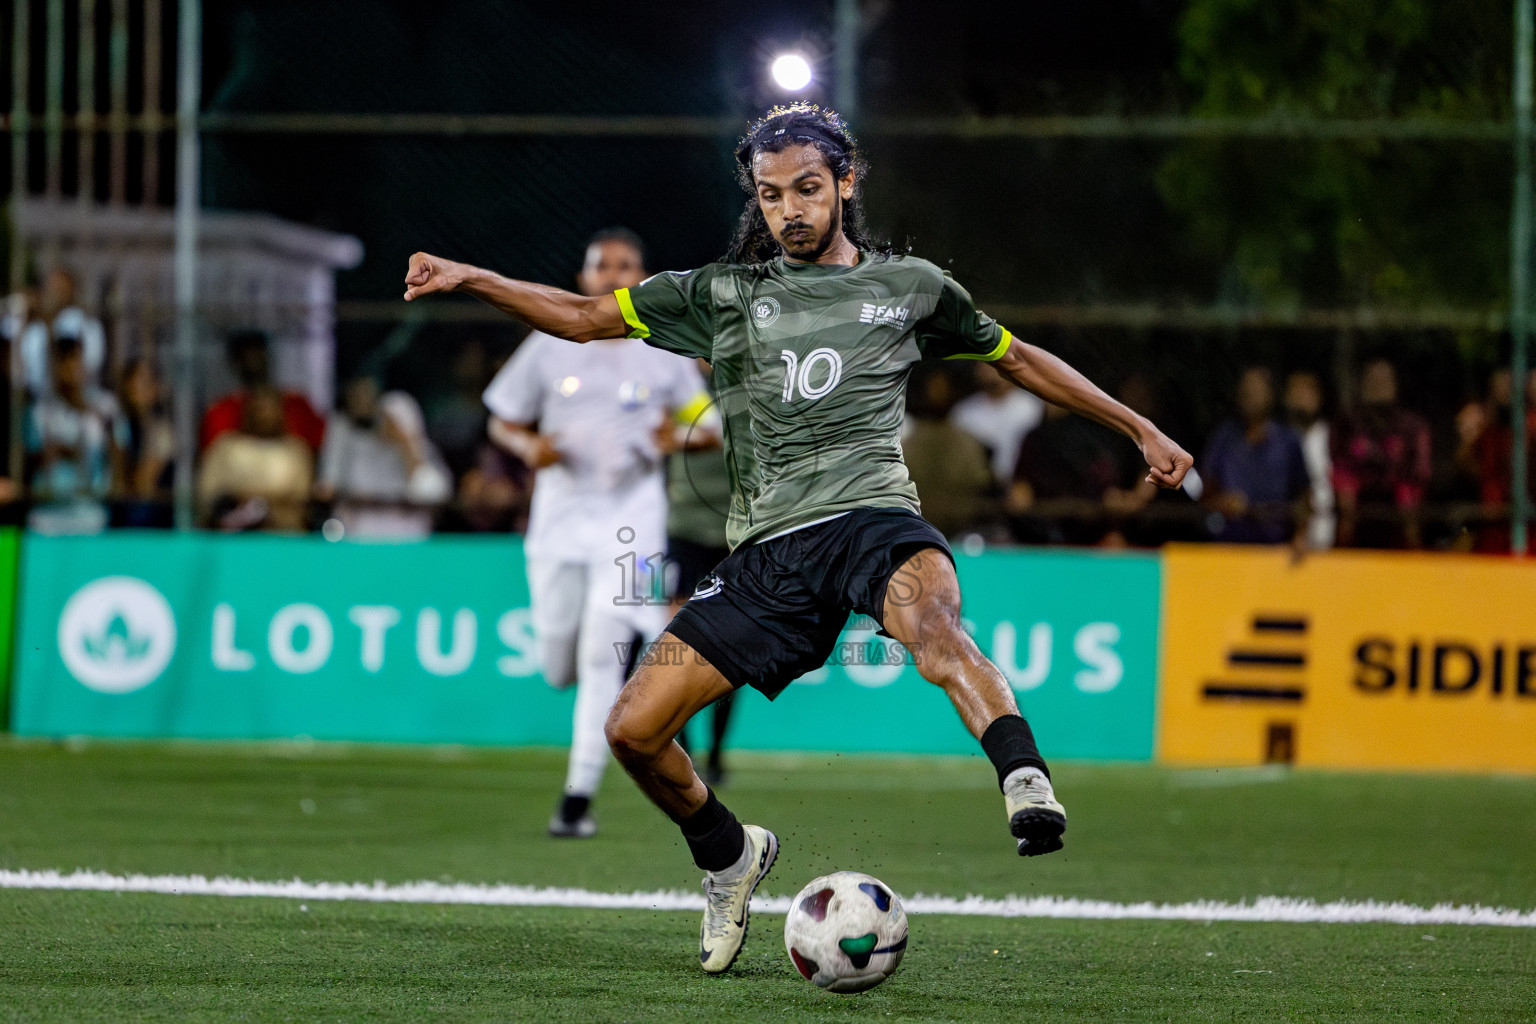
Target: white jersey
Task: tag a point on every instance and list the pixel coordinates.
(1314, 449)
(600, 405)
(1001, 424)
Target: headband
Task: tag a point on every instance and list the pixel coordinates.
(800, 133)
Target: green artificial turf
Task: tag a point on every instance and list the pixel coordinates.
(98, 957)
(341, 813)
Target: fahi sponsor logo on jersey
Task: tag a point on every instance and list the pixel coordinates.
(884, 316)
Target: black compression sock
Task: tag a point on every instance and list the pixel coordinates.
(714, 835)
(573, 807)
(1010, 745)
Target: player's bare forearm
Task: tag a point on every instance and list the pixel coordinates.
(1036, 370)
(554, 311)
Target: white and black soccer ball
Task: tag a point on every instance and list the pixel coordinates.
(846, 932)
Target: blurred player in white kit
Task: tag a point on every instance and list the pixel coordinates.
(595, 423)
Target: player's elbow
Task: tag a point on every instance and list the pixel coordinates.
(581, 329)
(586, 321)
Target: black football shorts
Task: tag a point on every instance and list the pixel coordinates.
(688, 563)
(773, 611)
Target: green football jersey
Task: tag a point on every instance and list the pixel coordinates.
(811, 365)
(698, 496)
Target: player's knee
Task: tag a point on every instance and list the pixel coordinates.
(940, 629)
(619, 738)
(628, 742)
(941, 646)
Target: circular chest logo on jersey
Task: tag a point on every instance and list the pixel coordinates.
(117, 634)
(765, 310)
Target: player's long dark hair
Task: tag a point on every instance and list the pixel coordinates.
(800, 124)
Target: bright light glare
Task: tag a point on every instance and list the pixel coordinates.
(792, 72)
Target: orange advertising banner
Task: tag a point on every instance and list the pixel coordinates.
(1347, 659)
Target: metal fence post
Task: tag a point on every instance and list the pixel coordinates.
(1520, 277)
(188, 89)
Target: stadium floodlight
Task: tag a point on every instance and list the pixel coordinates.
(791, 71)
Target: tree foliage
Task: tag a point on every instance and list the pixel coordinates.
(1309, 221)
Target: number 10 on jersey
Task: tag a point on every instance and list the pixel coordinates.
(797, 374)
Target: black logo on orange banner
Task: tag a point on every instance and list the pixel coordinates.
(1384, 665)
(1273, 669)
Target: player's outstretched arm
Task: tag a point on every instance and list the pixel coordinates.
(1035, 369)
(551, 310)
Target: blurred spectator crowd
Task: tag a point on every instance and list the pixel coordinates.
(98, 447)
(998, 464)
(1290, 465)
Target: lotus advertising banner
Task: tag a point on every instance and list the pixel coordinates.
(198, 635)
(1074, 632)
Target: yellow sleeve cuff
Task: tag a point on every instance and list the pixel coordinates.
(987, 357)
(637, 328)
(696, 406)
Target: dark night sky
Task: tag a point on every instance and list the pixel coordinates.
(1065, 222)
(1021, 222)
(496, 200)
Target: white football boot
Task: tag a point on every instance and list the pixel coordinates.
(1035, 817)
(726, 900)
(584, 827)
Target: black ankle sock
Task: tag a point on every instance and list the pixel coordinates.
(1010, 745)
(713, 835)
(573, 807)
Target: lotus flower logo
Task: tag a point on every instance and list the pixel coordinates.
(117, 634)
(117, 643)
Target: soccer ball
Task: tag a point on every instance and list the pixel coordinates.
(846, 932)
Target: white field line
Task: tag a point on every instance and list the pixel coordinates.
(1265, 908)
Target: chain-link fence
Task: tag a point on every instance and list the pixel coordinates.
(1165, 193)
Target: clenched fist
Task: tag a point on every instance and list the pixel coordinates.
(1167, 461)
(427, 274)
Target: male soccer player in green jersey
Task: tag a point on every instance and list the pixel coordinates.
(812, 331)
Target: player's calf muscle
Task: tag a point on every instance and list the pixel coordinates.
(951, 660)
(640, 736)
